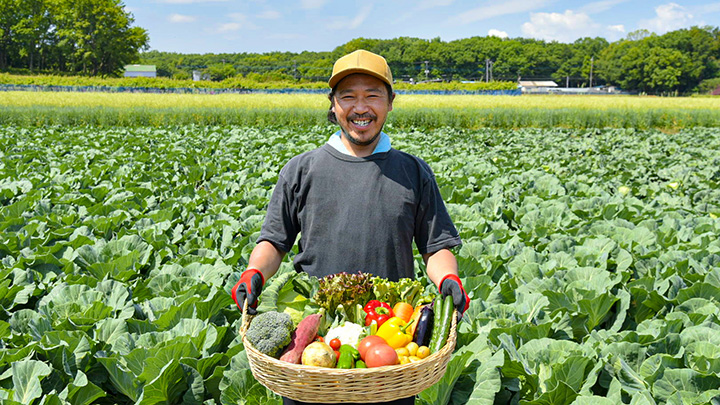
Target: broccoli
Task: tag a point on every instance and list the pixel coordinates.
(270, 332)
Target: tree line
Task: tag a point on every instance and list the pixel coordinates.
(97, 37)
(89, 37)
(678, 61)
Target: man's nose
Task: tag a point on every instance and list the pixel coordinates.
(361, 106)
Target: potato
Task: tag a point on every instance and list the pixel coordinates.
(318, 354)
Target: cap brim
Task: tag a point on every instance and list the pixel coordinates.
(347, 72)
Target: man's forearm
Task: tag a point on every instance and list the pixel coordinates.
(266, 258)
(439, 264)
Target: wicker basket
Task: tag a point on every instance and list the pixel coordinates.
(331, 385)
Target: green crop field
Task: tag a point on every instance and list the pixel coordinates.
(592, 255)
(411, 111)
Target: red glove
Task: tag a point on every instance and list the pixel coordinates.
(248, 287)
(451, 285)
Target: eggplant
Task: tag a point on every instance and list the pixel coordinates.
(424, 328)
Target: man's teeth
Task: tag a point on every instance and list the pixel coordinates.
(361, 123)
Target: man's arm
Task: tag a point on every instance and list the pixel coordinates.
(442, 270)
(266, 258)
(439, 264)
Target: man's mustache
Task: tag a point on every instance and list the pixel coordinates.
(361, 116)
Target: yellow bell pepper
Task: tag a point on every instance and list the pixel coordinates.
(394, 332)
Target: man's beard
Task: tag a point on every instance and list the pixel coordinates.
(358, 142)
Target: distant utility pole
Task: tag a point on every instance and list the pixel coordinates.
(427, 70)
(488, 70)
(592, 62)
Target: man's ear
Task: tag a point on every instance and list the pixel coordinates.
(392, 98)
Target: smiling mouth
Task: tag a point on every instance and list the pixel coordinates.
(361, 123)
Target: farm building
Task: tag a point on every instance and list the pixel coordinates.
(140, 71)
(536, 86)
(198, 75)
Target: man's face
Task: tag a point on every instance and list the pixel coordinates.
(361, 105)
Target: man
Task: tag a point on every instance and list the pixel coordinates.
(357, 203)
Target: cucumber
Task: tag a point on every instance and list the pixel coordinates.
(444, 326)
(437, 307)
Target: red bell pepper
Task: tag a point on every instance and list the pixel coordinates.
(377, 311)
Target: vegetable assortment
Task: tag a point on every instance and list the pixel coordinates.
(354, 328)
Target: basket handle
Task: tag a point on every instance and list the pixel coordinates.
(246, 318)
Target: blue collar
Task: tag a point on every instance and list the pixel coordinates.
(336, 142)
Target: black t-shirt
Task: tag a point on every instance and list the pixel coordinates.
(357, 214)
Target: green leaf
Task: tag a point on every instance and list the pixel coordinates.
(241, 388)
(593, 400)
(684, 381)
(83, 392)
(121, 377)
(596, 309)
(481, 381)
(698, 290)
(158, 358)
(441, 392)
(167, 387)
(26, 377)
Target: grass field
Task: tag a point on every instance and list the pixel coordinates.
(319, 101)
(424, 111)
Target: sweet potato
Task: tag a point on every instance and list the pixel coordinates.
(302, 336)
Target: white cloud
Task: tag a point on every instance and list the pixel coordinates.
(238, 16)
(620, 29)
(269, 15)
(345, 23)
(229, 27)
(497, 33)
(241, 21)
(668, 17)
(179, 18)
(494, 9)
(287, 37)
(312, 4)
(566, 27)
(428, 4)
(600, 6)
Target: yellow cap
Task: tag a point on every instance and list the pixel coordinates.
(361, 61)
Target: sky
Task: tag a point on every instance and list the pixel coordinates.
(259, 26)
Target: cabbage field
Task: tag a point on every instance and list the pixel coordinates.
(592, 258)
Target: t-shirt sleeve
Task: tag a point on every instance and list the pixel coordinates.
(434, 230)
(281, 223)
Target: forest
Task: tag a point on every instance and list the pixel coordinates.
(678, 61)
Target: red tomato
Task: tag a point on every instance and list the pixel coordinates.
(367, 343)
(335, 344)
(319, 338)
(381, 355)
(337, 355)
